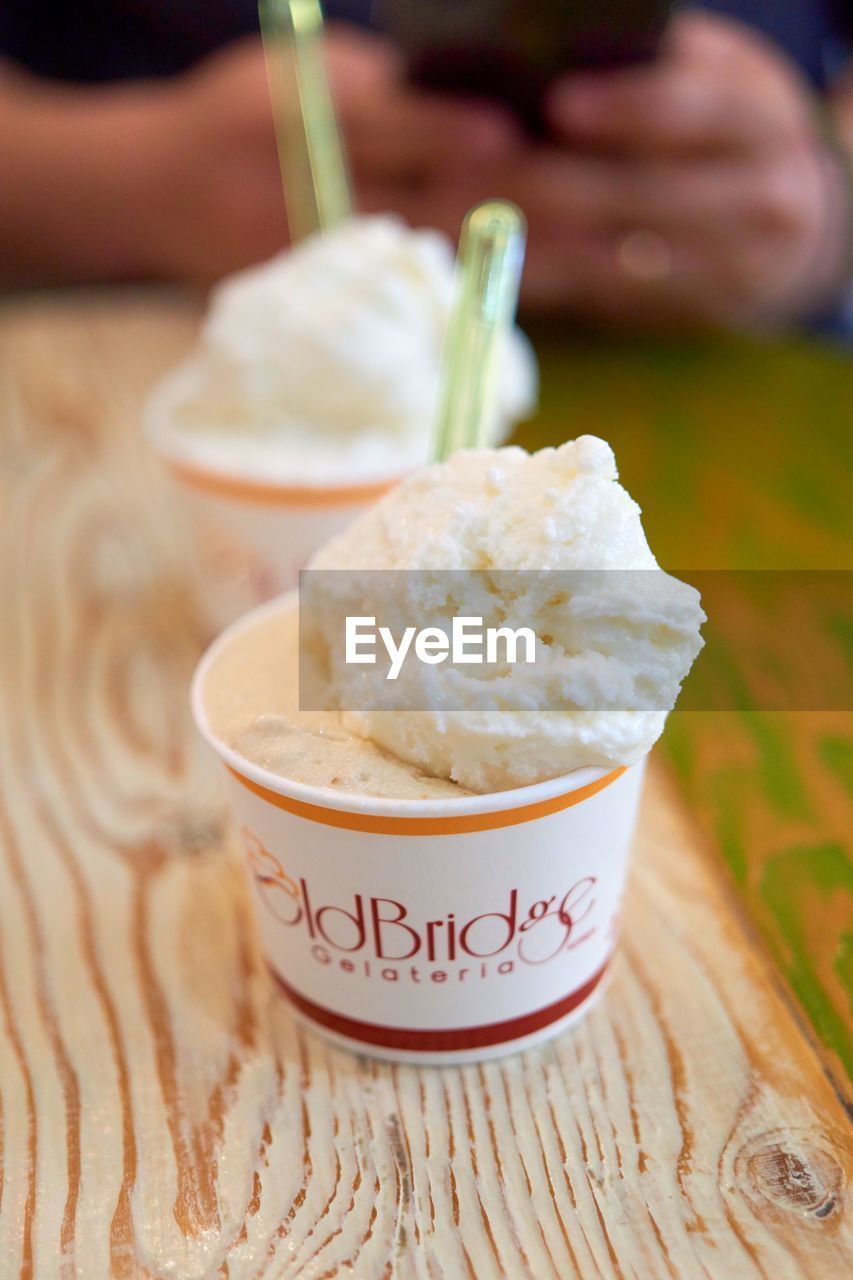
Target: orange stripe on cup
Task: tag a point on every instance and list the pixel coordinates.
(241, 490)
(393, 825)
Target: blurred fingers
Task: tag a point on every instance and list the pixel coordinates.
(395, 132)
(715, 87)
(410, 137)
(674, 112)
(715, 199)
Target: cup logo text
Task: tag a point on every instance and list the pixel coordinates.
(370, 928)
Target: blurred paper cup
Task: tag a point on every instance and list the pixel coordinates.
(442, 930)
(249, 534)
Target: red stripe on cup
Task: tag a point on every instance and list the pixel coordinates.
(441, 1040)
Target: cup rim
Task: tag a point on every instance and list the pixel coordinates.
(362, 804)
(236, 483)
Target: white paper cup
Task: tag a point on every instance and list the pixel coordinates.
(250, 539)
(249, 536)
(449, 930)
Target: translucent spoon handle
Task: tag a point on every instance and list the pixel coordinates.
(311, 155)
(488, 277)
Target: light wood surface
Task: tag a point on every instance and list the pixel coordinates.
(161, 1115)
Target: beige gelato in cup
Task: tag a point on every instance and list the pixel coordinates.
(310, 391)
(411, 904)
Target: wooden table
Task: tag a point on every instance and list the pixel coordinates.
(161, 1115)
(741, 455)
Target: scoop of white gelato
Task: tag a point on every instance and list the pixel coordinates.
(324, 361)
(557, 545)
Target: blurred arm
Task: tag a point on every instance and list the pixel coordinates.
(78, 169)
(179, 178)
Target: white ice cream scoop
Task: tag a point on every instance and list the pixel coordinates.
(551, 541)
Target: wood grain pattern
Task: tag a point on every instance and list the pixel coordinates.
(161, 1115)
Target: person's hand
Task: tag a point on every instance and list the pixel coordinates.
(217, 203)
(214, 197)
(697, 188)
(408, 146)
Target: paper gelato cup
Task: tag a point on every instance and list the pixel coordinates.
(443, 930)
(250, 539)
(249, 536)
